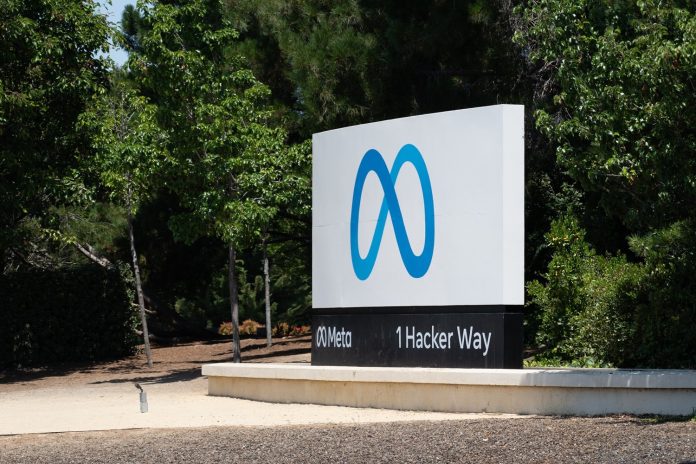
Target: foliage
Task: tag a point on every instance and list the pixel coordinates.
(588, 301)
(604, 311)
(234, 179)
(299, 330)
(208, 103)
(127, 144)
(337, 63)
(282, 329)
(623, 111)
(667, 315)
(251, 295)
(50, 68)
(75, 314)
(616, 100)
(248, 328)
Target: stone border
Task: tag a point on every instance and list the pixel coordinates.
(518, 391)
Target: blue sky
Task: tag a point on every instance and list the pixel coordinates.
(114, 8)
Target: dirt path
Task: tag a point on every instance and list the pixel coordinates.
(171, 364)
(103, 396)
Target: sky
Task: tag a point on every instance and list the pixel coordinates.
(114, 8)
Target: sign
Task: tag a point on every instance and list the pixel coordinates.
(420, 216)
(420, 211)
(415, 340)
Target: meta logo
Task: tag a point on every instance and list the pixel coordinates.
(416, 265)
(331, 337)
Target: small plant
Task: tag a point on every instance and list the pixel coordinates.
(249, 328)
(225, 329)
(282, 329)
(299, 330)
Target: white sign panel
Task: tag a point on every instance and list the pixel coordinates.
(420, 211)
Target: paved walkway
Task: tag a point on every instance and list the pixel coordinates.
(116, 405)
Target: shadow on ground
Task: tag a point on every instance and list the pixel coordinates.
(172, 363)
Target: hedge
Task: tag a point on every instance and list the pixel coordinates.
(74, 314)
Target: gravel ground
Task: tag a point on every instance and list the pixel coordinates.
(537, 440)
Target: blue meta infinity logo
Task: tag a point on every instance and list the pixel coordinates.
(416, 265)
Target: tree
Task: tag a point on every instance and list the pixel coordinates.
(210, 105)
(623, 107)
(50, 68)
(619, 107)
(338, 63)
(128, 156)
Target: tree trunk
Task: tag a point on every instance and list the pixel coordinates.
(267, 289)
(234, 303)
(139, 290)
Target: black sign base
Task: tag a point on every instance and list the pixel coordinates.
(463, 338)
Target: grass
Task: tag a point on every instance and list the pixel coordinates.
(662, 419)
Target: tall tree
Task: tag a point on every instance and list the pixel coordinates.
(210, 105)
(128, 158)
(50, 67)
(351, 61)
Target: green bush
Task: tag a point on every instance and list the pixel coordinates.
(74, 314)
(665, 319)
(587, 305)
(597, 311)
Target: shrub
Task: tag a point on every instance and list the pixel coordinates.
(665, 319)
(282, 329)
(71, 314)
(605, 311)
(248, 328)
(299, 330)
(587, 305)
(225, 329)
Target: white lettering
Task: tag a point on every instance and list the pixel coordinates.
(487, 342)
(331, 337)
(464, 338)
(419, 340)
(475, 340)
(429, 340)
(412, 337)
(434, 337)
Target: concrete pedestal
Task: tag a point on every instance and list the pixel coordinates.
(519, 391)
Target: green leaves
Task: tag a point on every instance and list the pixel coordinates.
(618, 102)
(344, 62)
(623, 102)
(129, 148)
(49, 71)
(224, 155)
(587, 303)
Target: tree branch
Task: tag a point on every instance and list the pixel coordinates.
(91, 253)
